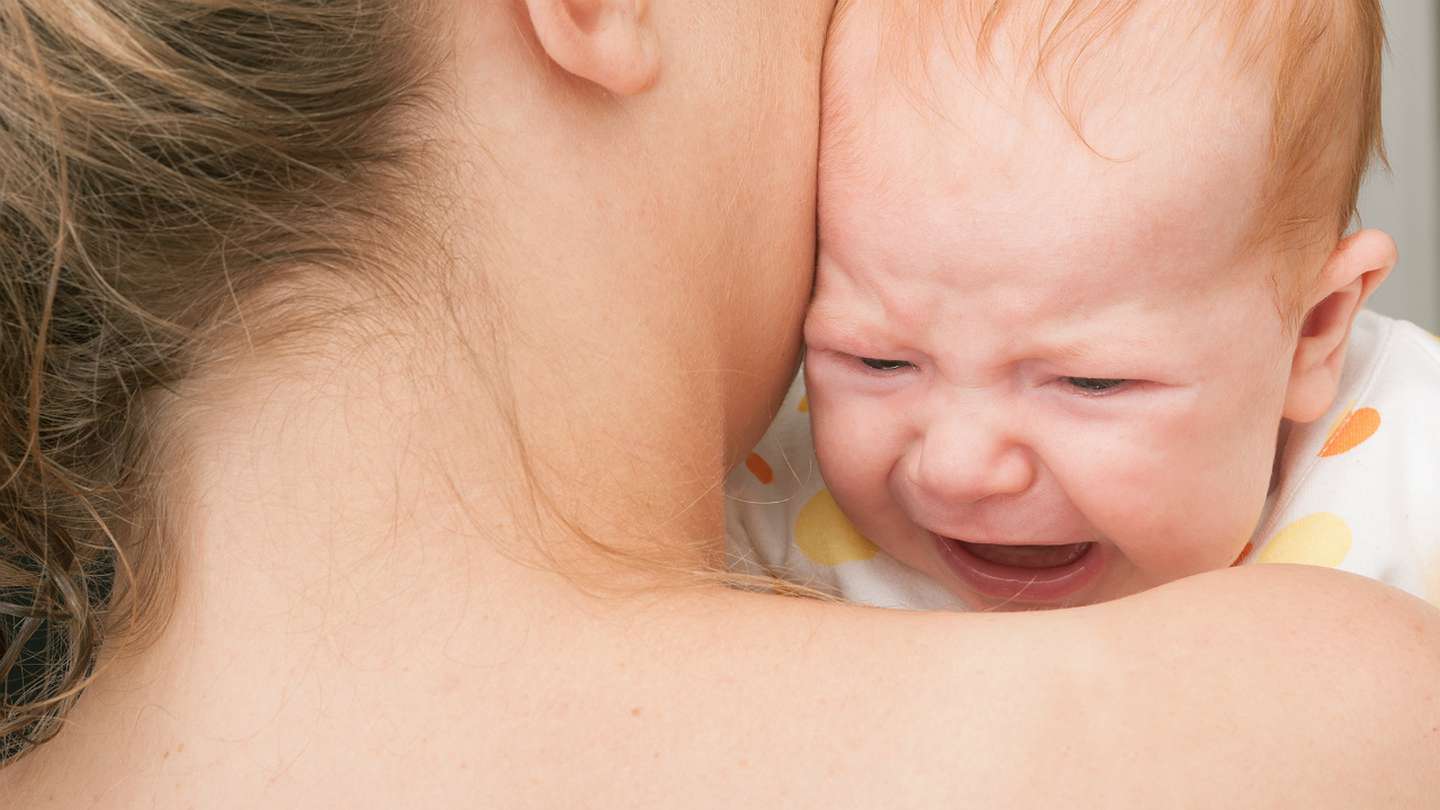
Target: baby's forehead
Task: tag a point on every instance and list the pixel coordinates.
(1154, 64)
(1150, 125)
(1073, 51)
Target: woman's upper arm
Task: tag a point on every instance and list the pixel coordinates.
(1255, 688)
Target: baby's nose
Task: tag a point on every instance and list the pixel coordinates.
(968, 458)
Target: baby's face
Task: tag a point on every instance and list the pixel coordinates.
(1041, 376)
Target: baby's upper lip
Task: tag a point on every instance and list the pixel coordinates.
(1017, 527)
(1049, 539)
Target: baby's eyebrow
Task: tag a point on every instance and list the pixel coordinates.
(834, 321)
(1072, 350)
(845, 326)
(851, 312)
(1110, 343)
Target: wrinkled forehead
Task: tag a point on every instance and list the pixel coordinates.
(1074, 51)
(1143, 140)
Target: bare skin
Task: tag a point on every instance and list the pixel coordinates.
(360, 623)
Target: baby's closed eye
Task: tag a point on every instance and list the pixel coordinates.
(1094, 385)
(880, 364)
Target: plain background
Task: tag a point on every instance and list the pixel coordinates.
(1406, 201)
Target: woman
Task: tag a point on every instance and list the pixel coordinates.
(459, 326)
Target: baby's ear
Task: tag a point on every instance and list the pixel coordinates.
(1354, 270)
(608, 42)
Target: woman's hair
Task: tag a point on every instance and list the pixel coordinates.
(161, 161)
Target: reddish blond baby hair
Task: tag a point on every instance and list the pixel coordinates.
(1320, 58)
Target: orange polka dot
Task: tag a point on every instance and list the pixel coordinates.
(759, 468)
(1354, 428)
(1244, 552)
(804, 406)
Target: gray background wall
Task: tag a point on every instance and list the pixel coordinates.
(1406, 202)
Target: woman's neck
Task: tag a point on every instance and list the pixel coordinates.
(464, 433)
(560, 368)
(371, 510)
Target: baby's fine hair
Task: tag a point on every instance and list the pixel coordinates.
(1322, 59)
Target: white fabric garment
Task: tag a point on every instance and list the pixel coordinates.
(1358, 489)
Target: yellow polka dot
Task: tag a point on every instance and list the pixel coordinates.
(804, 406)
(1318, 539)
(826, 536)
(1352, 429)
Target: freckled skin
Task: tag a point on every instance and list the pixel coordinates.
(977, 241)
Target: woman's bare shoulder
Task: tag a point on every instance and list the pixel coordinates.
(1241, 688)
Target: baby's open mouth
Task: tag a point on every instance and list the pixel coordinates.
(1031, 574)
(1027, 556)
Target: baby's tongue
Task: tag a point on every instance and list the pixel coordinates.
(1028, 556)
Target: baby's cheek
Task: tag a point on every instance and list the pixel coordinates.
(1234, 457)
(1212, 532)
(855, 448)
(1167, 505)
(851, 454)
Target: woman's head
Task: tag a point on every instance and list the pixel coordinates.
(162, 162)
(189, 185)
(706, 152)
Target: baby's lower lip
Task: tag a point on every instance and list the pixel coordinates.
(1034, 574)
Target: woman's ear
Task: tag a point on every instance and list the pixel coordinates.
(1356, 267)
(608, 42)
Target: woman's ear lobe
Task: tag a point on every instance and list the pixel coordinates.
(608, 42)
(1351, 274)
